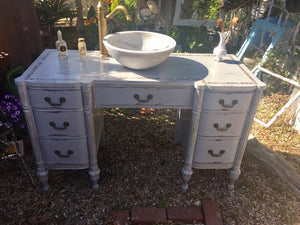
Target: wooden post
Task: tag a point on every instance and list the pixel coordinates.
(20, 36)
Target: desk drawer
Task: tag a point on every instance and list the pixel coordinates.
(55, 98)
(61, 123)
(221, 150)
(221, 124)
(64, 153)
(227, 101)
(119, 96)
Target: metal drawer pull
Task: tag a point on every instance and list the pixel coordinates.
(137, 97)
(222, 102)
(216, 125)
(61, 101)
(69, 153)
(211, 152)
(53, 124)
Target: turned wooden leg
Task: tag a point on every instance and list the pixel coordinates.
(186, 174)
(234, 175)
(94, 174)
(42, 175)
(193, 118)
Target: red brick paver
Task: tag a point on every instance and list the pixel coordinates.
(211, 212)
(121, 217)
(144, 215)
(185, 214)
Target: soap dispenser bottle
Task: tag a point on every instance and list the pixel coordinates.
(81, 47)
(61, 46)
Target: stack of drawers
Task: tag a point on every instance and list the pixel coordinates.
(59, 118)
(222, 121)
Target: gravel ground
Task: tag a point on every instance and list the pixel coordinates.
(141, 166)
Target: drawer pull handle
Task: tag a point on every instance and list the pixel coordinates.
(137, 97)
(53, 124)
(211, 152)
(216, 125)
(222, 102)
(61, 101)
(69, 153)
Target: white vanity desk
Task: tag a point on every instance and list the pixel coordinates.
(62, 101)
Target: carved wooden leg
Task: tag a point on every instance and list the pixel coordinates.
(192, 135)
(94, 174)
(234, 175)
(186, 174)
(42, 175)
(90, 112)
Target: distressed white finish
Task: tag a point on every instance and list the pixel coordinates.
(139, 49)
(208, 95)
(220, 51)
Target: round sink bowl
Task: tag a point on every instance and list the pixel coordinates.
(139, 49)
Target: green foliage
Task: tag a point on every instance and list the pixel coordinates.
(194, 39)
(50, 11)
(91, 12)
(285, 64)
(213, 10)
(91, 26)
(204, 9)
(131, 7)
(114, 4)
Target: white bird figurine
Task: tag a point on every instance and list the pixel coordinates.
(220, 51)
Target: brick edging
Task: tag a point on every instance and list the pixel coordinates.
(208, 213)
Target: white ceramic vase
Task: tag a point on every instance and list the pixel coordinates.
(220, 51)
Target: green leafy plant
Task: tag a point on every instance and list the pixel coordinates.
(204, 10)
(91, 26)
(50, 11)
(199, 39)
(91, 22)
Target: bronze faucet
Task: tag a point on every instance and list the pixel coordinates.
(102, 8)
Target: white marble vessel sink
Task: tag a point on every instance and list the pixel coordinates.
(139, 49)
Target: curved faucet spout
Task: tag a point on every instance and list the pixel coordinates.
(118, 9)
(102, 22)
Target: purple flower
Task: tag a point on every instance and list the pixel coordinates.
(11, 115)
(7, 125)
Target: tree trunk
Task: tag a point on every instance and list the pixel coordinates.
(79, 23)
(20, 36)
(167, 12)
(275, 164)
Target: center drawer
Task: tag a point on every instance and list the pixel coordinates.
(61, 123)
(136, 96)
